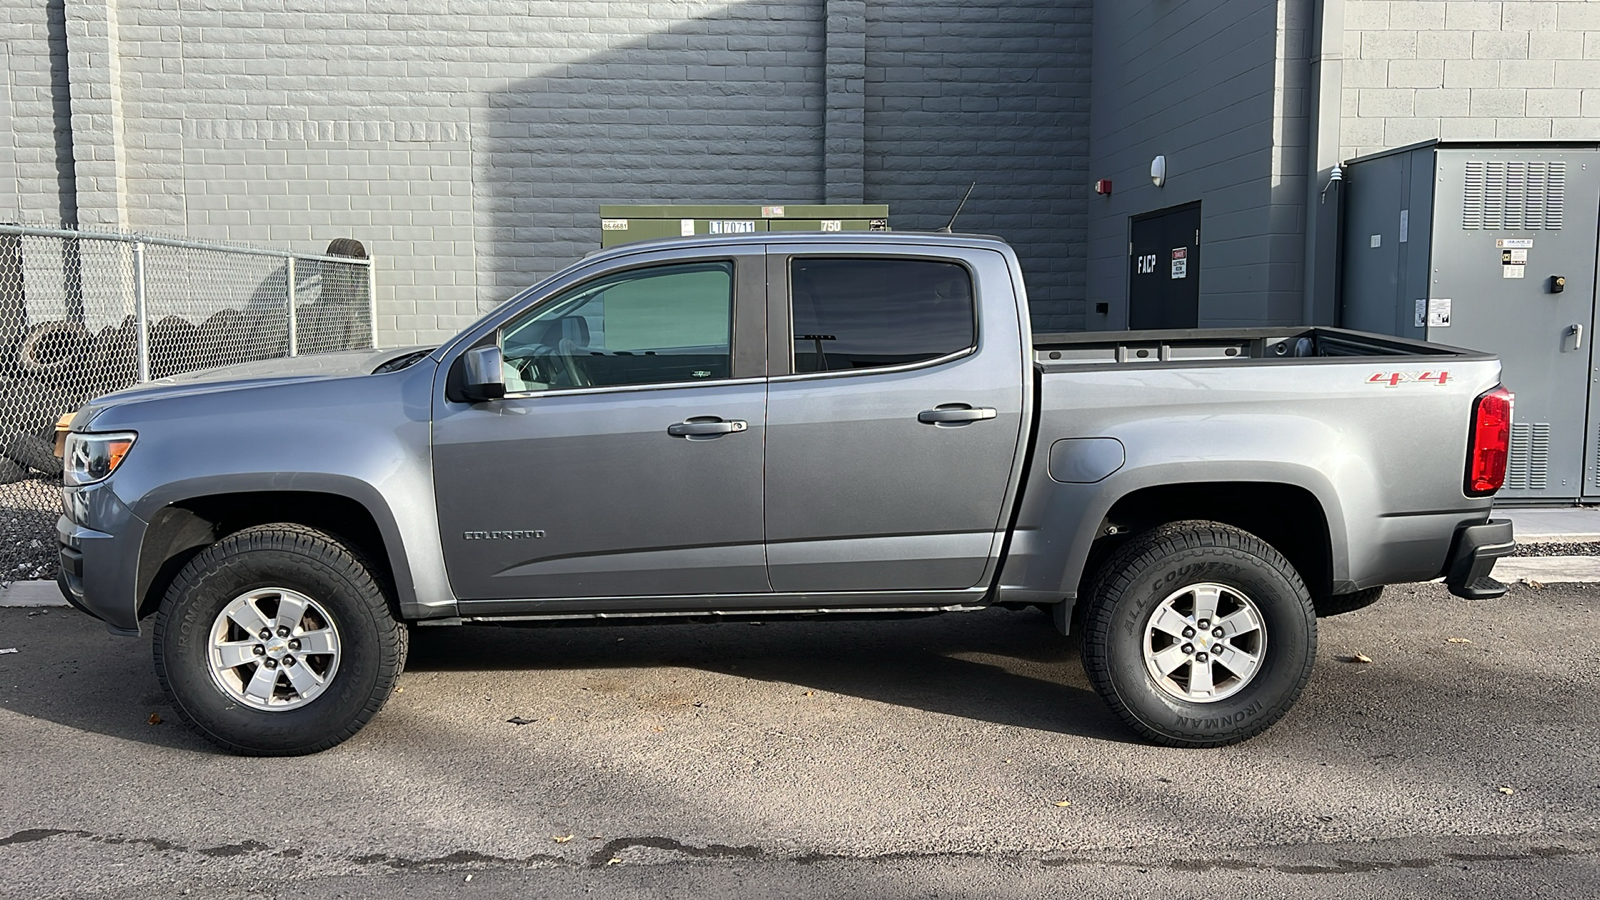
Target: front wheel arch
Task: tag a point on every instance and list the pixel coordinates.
(181, 530)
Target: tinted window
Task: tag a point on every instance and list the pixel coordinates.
(865, 313)
(648, 326)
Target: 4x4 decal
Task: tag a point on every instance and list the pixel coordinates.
(1392, 379)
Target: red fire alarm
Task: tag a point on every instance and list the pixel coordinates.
(1103, 186)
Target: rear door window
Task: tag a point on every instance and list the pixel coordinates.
(854, 314)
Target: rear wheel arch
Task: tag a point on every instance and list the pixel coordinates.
(182, 529)
(1289, 517)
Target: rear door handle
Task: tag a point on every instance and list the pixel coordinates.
(706, 426)
(954, 415)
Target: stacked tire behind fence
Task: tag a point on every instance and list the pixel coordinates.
(50, 366)
(57, 366)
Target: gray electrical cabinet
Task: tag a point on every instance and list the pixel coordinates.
(1490, 246)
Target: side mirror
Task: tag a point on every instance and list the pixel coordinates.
(483, 378)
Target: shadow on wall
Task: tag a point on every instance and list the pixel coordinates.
(720, 109)
(729, 108)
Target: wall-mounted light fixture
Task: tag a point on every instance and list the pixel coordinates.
(1158, 171)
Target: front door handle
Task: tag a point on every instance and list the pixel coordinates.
(954, 415)
(706, 426)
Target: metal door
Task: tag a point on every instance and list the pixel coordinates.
(595, 491)
(891, 478)
(1164, 269)
(1507, 222)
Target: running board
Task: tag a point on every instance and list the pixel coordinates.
(699, 613)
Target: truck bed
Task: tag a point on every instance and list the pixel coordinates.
(1200, 346)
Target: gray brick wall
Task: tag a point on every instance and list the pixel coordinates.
(36, 166)
(470, 147)
(1416, 70)
(1218, 87)
(994, 92)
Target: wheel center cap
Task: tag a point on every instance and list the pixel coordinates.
(278, 649)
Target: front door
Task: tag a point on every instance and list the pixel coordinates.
(1164, 269)
(626, 458)
(893, 423)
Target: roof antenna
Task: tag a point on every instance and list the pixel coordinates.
(950, 224)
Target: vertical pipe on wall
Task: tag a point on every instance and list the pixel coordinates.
(294, 330)
(141, 311)
(372, 299)
(1322, 237)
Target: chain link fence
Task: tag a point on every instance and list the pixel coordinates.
(86, 313)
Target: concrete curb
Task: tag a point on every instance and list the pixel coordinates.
(1549, 569)
(31, 593)
(1577, 537)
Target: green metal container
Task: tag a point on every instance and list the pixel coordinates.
(625, 224)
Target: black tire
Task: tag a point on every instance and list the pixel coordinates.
(1154, 567)
(1339, 604)
(35, 453)
(53, 347)
(11, 472)
(372, 642)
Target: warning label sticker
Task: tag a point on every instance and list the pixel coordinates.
(1180, 262)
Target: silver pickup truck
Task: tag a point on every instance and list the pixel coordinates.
(761, 426)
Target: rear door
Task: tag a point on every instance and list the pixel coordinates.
(894, 416)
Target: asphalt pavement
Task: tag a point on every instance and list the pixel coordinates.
(962, 755)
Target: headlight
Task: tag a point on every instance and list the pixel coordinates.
(93, 457)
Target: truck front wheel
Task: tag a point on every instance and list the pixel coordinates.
(277, 640)
(1199, 634)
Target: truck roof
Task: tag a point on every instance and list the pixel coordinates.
(922, 238)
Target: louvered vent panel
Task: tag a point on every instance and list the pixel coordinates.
(1597, 458)
(1555, 195)
(1513, 196)
(1472, 196)
(1528, 463)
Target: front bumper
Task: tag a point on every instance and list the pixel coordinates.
(99, 565)
(1472, 558)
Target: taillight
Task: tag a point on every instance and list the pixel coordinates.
(1490, 441)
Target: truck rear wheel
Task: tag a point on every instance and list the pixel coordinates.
(276, 641)
(1199, 634)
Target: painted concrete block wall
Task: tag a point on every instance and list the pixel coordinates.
(469, 149)
(36, 167)
(992, 92)
(1218, 88)
(1416, 70)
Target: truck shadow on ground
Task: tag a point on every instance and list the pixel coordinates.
(1006, 668)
